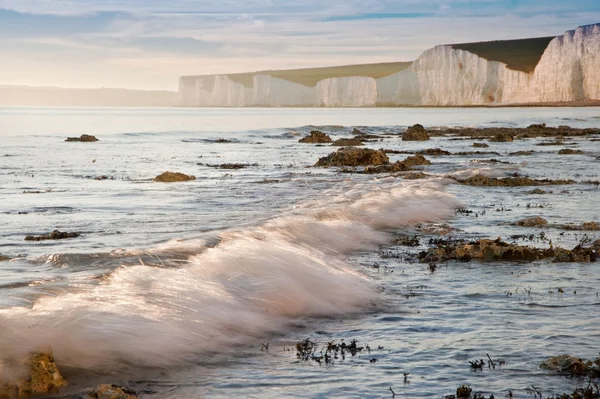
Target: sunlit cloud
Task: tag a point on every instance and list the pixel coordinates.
(149, 44)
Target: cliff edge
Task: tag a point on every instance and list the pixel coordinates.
(563, 69)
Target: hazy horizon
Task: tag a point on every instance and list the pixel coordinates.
(147, 45)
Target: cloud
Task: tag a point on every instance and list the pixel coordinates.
(151, 43)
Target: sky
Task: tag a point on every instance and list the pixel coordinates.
(148, 44)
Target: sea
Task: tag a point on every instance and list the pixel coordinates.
(202, 289)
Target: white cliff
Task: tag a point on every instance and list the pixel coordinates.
(353, 91)
(568, 70)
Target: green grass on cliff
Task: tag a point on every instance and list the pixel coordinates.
(519, 55)
(311, 76)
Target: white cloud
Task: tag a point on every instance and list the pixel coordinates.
(151, 43)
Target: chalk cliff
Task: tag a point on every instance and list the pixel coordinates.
(560, 69)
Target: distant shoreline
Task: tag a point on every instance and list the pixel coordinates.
(574, 104)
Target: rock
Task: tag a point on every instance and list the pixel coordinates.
(483, 181)
(415, 176)
(537, 191)
(416, 160)
(107, 391)
(83, 138)
(586, 226)
(434, 152)
(480, 145)
(169, 177)
(4, 258)
(357, 132)
(316, 137)
(531, 222)
(355, 141)
(523, 153)
(537, 126)
(55, 235)
(502, 138)
(497, 250)
(415, 133)
(40, 377)
(396, 167)
(573, 366)
(568, 151)
(350, 156)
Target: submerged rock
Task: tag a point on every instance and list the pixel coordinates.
(169, 177)
(523, 153)
(316, 137)
(415, 133)
(538, 191)
(355, 141)
(502, 138)
(55, 235)
(568, 151)
(350, 156)
(434, 151)
(395, 167)
(531, 222)
(484, 181)
(40, 377)
(586, 226)
(415, 176)
(83, 138)
(107, 391)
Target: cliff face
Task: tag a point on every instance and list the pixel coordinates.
(568, 70)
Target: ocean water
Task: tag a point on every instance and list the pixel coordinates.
(175, 290)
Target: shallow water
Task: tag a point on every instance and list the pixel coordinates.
(172, 288)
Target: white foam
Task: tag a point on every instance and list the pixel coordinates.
(249, 284)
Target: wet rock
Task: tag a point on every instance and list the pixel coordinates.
(316, 137)
(538, 191)
(415, 176)
(83, 138)
(355, 141)
(586, 226)
(230, 166)
(465, 153)
(357, 132)
(484, 249)
(480, 145)
(502, 138)
(484, 181)
(169, 177)
(434, 152)
(537, 126)
(555, 142)
(55, 235)
(537, 131)
(572, 366)
(415, 133)
(416, 160)
(396, 167)
(463, 392)
(107, 391)
(408, 241)
(40, 377)
(568, 151)
(4, 258)
(531, 222)
(521, 153)
(350, 156)
(498, 250)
